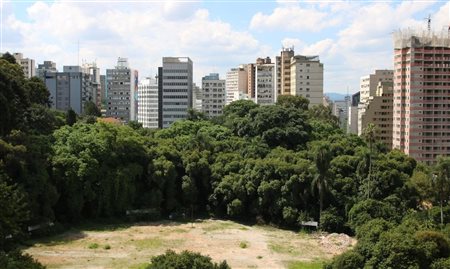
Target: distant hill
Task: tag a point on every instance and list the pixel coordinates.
(334, 96)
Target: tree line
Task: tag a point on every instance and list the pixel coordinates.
(282, 164)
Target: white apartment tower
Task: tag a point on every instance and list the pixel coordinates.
(175, 89)
(28, 65)
(307, 78)
(148, 103)
(121, 84)
(213, 99)
(236, 84)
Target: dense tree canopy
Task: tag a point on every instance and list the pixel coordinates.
(282, 164)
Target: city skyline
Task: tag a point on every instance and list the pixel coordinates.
(351, 38)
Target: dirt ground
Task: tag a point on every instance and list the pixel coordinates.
(240, 245)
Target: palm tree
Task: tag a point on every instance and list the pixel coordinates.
(441, 181)
(370, 134)
(322, 160)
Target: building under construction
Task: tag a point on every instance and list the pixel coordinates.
(421, 120)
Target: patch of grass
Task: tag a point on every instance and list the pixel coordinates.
(156, 243)
(217, 226)
(106, 247)
(93, 246)
(151, 243)
(305, 265)
(284, 248)
(259, 257)
(139, 266)
(243, 244)
(243, 228)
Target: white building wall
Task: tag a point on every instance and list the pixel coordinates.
(213, 99)
(148, 103)
(265, 86)
(307, 78)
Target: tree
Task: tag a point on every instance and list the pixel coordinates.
(135, 124)
(9, 58)
(369, 134)
(91, 109)
(298, 102)
(71, 117)
(322, 160)
(17, 260)
(195, 115)
(14, 210)
(37, 92)
(442, 182)
(185, 260)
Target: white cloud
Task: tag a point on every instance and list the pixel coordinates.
(144, 34)
(293, 18)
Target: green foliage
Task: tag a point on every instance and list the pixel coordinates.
(348, 260)
(71, 117)
(93, 246)
(298, 102)
(184, 260)
(18, 260)
(9, 58)
(91, 109)
(369, 209)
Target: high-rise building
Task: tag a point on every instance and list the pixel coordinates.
(340, 110)
(103, 89)
(28, 65)
(213, 90)
(121, 87)
(378, 110)
(148, 103)
(421, 94)
(46, 67)
(175, 89)
(70, 88)
(197, 96)
(307, 78)
(283, 69)
(94, 71)
(236, 84)
(265, 82)
(368, 84)
(352, 122)
(368, 87)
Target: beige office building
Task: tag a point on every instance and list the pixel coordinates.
(283, 71)
(368, 84)
(378, 109)
(307, 78)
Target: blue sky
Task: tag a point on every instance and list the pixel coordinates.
(352, 38)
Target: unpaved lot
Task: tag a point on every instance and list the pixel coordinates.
(240, 245)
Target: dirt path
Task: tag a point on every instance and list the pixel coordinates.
(240, 245)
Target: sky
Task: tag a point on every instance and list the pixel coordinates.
(352, 38)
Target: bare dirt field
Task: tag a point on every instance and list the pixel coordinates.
(242, 246)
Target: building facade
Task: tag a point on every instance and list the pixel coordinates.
(307, 78)
(352, 123)
(121, 88)
(46, 67)
(368, 87)
(236, 84)
(28, 65)
(283, 71)
(175, 89)
(71, 88)
(213, 91)
(378, 110)
(422, 94)
(265, 82)
(148, 103)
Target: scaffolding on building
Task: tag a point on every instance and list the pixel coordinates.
(414, 38)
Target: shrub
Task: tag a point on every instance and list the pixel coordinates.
(348, 260)
(18, 260)
(331, 221)
(93, 246)
(185, 260)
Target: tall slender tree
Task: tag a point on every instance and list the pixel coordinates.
(370, 135)
(442, 182)
(322, 160)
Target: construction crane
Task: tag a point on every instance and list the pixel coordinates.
(429, 22)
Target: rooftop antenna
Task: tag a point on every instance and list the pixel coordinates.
(429, 22)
